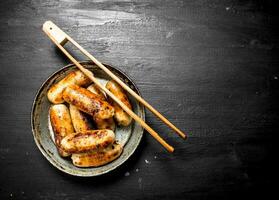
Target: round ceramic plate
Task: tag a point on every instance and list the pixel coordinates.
(129, 136)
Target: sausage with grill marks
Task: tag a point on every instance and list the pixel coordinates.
(88, 102)
(87, 141)
(97, 157)
(61, 124)
(101, 123)
(76, 77)
(121, 117)
(79, 120)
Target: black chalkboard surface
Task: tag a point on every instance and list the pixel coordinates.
(211, 67)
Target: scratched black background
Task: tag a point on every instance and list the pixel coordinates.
(211, 67)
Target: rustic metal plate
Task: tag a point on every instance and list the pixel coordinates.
(129, 136)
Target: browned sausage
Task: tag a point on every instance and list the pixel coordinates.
(79, 120)
(88, 102)
(76, 77)
(105, 123)
(94, 89)
(101, 123)
(88, 140)
(98, 157)
(121, 117)
(61, 124)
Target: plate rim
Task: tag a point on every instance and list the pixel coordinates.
(43, 151)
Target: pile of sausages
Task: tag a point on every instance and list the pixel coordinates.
(76, 101)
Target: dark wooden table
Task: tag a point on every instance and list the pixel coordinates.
(211, 67)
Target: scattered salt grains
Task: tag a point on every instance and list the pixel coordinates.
(155, 157)
(127, 174)
(275, 77)
(147, 161)
(228, 8)
(137, 170)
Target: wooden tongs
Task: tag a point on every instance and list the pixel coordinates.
(60, 38)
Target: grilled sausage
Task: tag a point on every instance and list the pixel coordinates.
(61, 124)
(79, 120)
(101, 123)
(88, 102)
(94, 89)
(105, 123)
(98, 157)
(121, 117)
(76, 77)
(88, 140)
